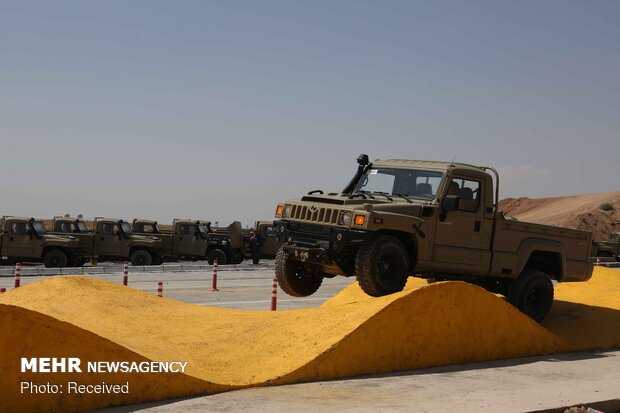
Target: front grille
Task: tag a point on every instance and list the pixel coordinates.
(321, 214)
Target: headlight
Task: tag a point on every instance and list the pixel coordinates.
(345, 218)
(285, 210)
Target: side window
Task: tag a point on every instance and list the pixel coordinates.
(150, 229)
(468, 191)
(108, 229)
(18, 228)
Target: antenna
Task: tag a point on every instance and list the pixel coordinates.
(453, 159)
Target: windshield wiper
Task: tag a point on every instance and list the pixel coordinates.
(385, 194)
(404, 197)
(361, 193)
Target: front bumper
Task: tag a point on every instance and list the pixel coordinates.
(318, 243)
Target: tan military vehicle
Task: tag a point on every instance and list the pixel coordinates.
(194, 240)
(110, 240)
(607, 249)
(435, 220)
(26, 240)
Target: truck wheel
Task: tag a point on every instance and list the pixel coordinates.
(216, 253)
(293, 278)
(141, 258)
(532, 294)
(55, 259)
(382, 266)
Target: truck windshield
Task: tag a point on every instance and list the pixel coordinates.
(81, 226)
(39, 228)
(202, 229)
(414, 183)
(126, 228)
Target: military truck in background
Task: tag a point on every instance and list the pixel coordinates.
(435, 220)
(271, 239)
(607, 249)
(110, 240)
(195, 240)
(26, 240)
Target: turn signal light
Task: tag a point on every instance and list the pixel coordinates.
(279, 211)
(360, 219)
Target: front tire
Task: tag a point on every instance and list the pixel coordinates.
(382, 266)
(141, 258)
(55, 259)
(216, 253)
(294, 277)
(532, 294)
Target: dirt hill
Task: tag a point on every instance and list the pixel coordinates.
(576, 211)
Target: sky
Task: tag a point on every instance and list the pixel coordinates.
(220, 109)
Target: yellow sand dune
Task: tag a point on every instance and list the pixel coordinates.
(351, 334)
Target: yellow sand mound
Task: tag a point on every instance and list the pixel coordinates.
(351, 334)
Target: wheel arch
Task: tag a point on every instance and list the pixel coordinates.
(407, 239)
(545, 255)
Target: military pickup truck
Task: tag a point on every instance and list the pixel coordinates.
(110, 240)
(271, 239)
(607, 249)
(434, 220)
(194, 240)
(26, 240)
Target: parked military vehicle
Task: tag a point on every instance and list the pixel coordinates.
(110, 240)
(26, 240)
(194, 240)
(271, 239)
(434, 220)
(607, 249)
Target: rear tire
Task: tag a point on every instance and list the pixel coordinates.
(532, 294)
(141, 258)
(216, 253)
(382, 266)
(295, 278)
(55, 259)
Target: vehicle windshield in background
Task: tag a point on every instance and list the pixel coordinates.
(126, 228)
(413, 183)
(39, 227)
(202, 229)
(81, 226)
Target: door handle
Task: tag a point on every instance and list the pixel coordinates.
(477, 226)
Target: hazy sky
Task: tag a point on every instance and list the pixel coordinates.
(220, 109)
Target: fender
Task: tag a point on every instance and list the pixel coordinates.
(529, 245)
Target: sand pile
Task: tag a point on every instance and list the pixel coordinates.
(351, 334)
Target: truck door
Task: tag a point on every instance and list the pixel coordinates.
(463, 237)
(17, 242)
(107, 241)
(188, 241)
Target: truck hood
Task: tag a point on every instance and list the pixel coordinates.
(145, 239)
(371, 199)
(68, 240)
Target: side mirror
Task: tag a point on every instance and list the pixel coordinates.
(450, 203)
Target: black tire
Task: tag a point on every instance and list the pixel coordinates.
(382, 266)
(295, 278)
(605, 254)
(532, 294)
(217, 253)
(55, 259)
(141, 258)
(157, 260)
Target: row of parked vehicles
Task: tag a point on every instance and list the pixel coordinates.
(71, 243)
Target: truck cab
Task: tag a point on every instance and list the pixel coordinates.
(25, 239)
